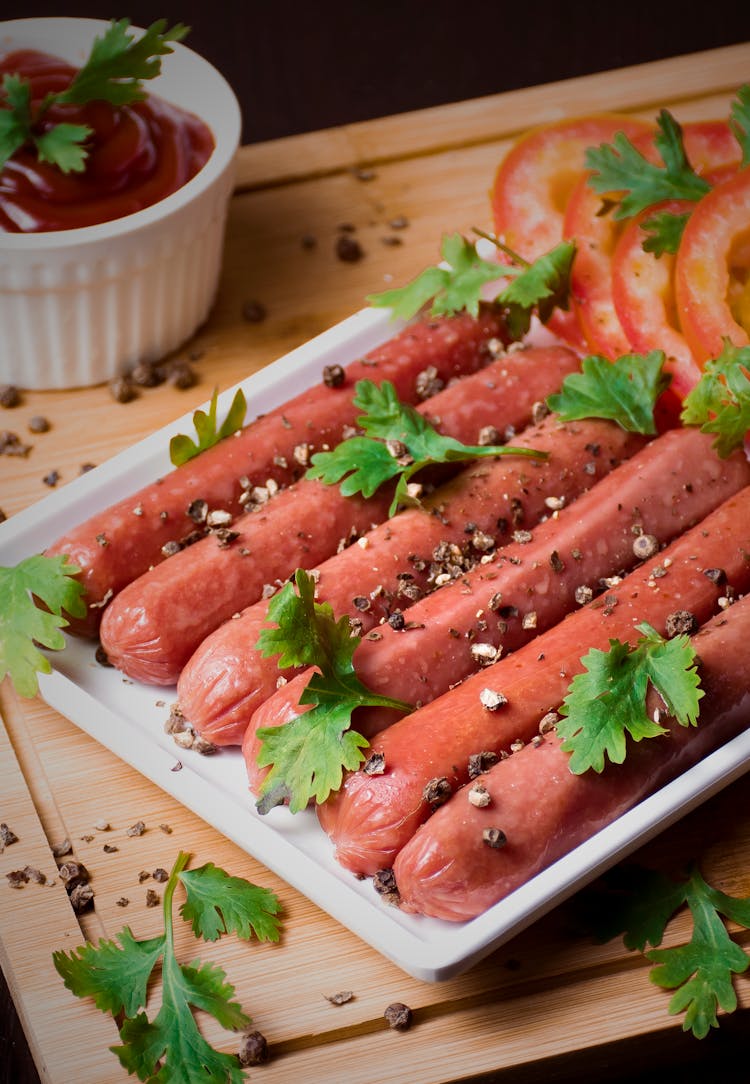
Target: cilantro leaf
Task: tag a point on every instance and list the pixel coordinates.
(740, 122)
(171, 1047)
(308, 755)
(63, 146)
(116, 977)
(182, 448)
(664, 231)
(411, 444)
(540, 286)
(117, 64)
(217, 903)
(619, 167)
(544, 286)
(625, 391)
(720, 401)
(608, 700)
(451, 289)
(641, 906)
(15, 121)
(23, 624)
(113, 72)
(173, 1038)
(635, 902)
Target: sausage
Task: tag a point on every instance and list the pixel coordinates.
(156, 623)
(544, 811)
(665, 488)
(373, 816)
(493, 497)
(124, 540)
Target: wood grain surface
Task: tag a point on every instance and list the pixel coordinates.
(550, 1005)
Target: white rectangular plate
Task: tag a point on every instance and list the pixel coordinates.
(127, 719)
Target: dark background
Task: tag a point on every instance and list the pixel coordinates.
(297, 67)
(301, 66)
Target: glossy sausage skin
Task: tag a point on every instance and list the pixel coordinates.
(493, 497)
(446, 870)
(121, 542)
(372, 817)
(156, 623)
(665, 488)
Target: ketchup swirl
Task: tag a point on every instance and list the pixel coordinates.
(138, 154)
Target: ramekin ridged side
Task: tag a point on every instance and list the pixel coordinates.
(79, 307)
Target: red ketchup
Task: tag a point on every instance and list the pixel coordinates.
(138, 154)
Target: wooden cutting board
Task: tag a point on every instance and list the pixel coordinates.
(549, 1004)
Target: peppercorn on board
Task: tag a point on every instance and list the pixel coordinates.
(64, 784)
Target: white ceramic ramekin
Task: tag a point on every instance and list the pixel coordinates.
(79, 307)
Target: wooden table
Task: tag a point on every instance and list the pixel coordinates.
(548, 1005)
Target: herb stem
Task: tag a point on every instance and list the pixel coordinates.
(517, 260)
(180, 863)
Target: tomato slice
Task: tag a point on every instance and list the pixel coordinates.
(595, 235)
(710, 146)
(643, 296)
(533, 184)
(712, 269)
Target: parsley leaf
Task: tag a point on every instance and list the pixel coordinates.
(740, 122)
(309, 754)
(625, 391)
(700, 971)
(664, 231)
(720, 401)
(116, 976)
(608, 700)
(15, 121)
(113, 72)
(182, 448)
(619, 167)
(399, 442)
(23, 624)
(217, 904)
(458, 286)
(544, 285)
(62, 146)
(118, 63)
(541, 286)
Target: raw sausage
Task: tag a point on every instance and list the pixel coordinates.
(373, 816)
(156, 623)
(479, 508)
(664, 489)
(544, 810)
(123, 541)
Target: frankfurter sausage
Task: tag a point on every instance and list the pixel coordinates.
(531, 585)
(154, 625)
(373, 816)
(399, 561)
(123, 541)
(544, 810)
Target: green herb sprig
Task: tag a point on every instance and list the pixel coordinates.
(113, 72)
(624, 391)
(116, 974)
(720, 401)
(739, 119)
(537, 287)
(308, 755)
(700, 972)
(618, 167)
(607, 701)
(399, 442)
(182, 447)
(630, 183)
(24, 625)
